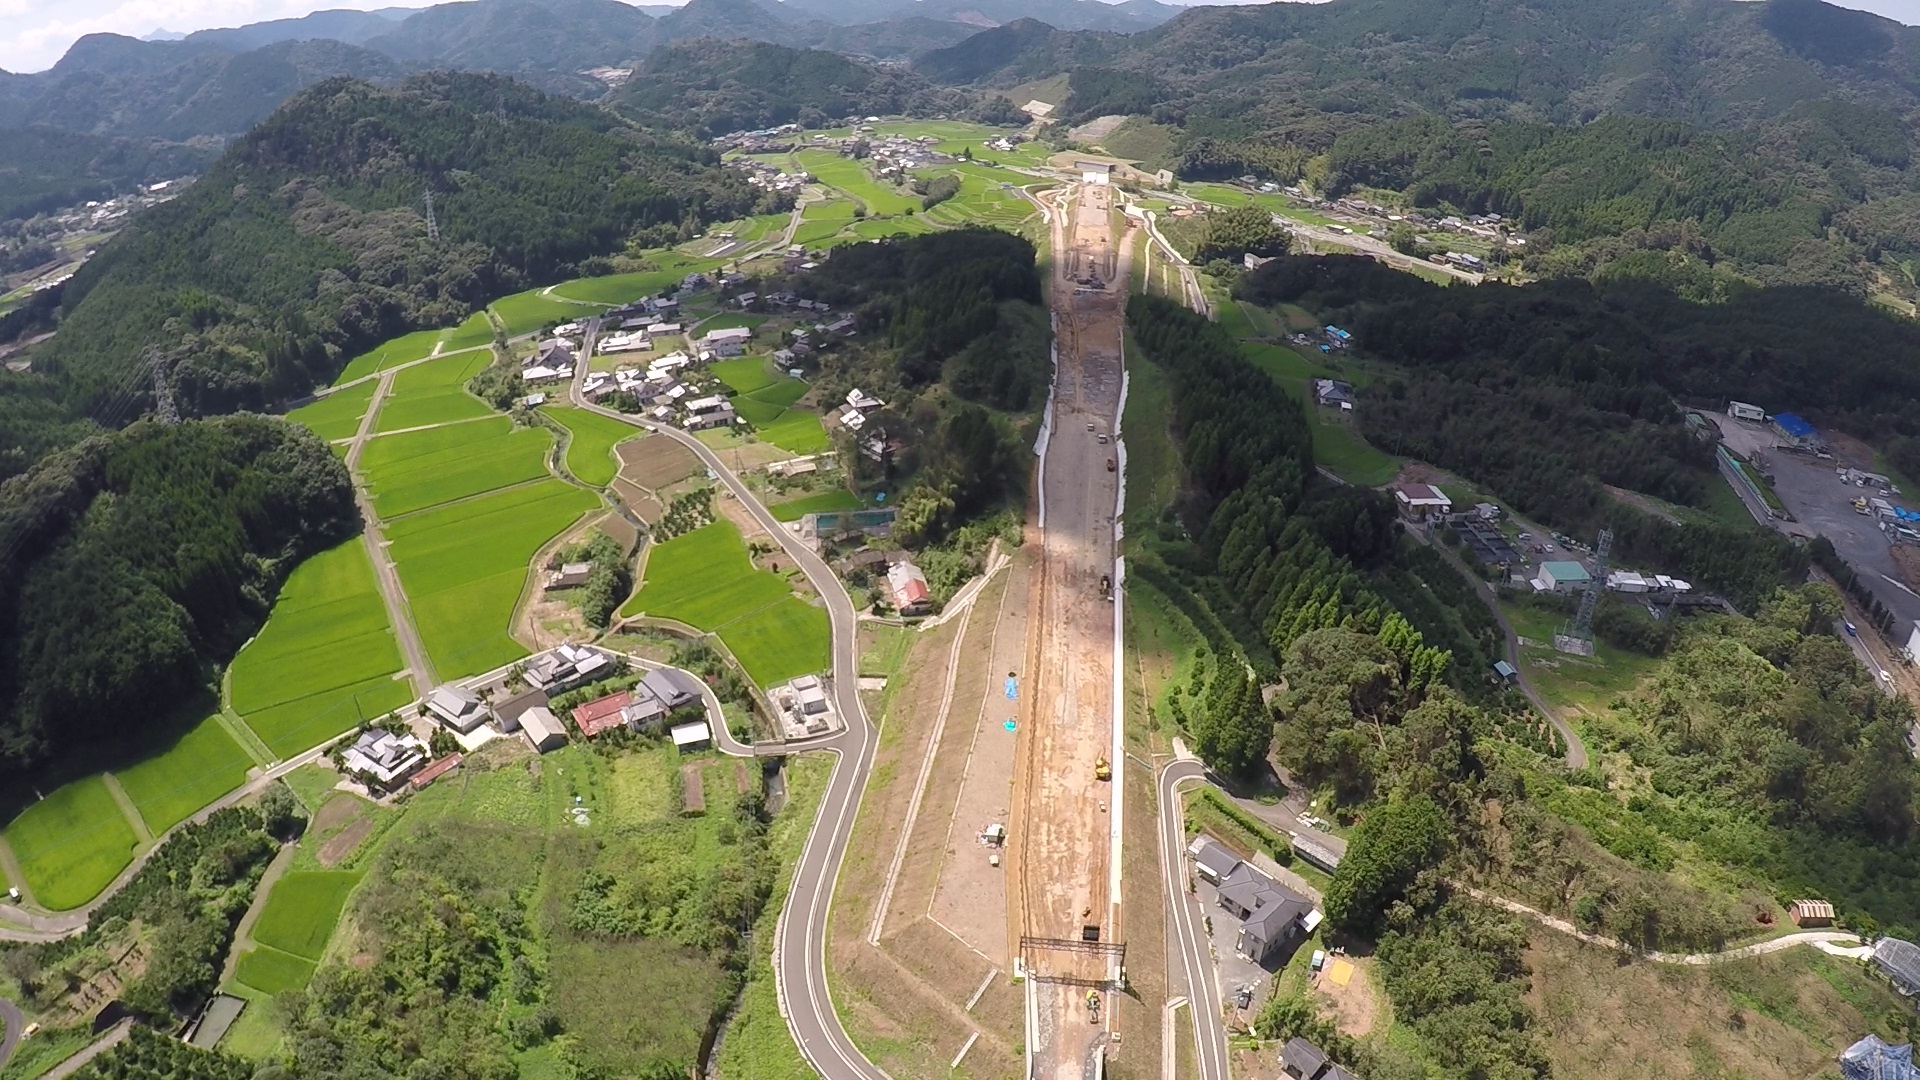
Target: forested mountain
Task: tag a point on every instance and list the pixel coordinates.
(1129, 17)
(109, 85)
(719, 86)
(338, 24)
(42, 169)
(306, 240)
(1020, 50)
(132, 561)
(520, 35)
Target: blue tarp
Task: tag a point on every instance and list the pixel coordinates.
(1872, 1059)
(1792, 424)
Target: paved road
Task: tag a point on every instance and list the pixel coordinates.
(800, 945)
(11, 1024)
(1189, 932)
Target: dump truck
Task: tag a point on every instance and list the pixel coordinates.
(1102, 770)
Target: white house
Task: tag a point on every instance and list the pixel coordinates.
(1740, 410)
(860, 399)
(1421, 501)
(458, 708)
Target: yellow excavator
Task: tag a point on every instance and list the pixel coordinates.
(1101, 770)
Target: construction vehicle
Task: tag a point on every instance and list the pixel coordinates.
(1093, 1006)
(1110, 467)
(1102, 770)
(1106, 586)
(1860, 505)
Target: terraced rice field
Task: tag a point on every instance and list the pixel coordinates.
(271, 971)
(851, 176)
(337, 415)
(764, 400)
(590, 450)
(302, 910)
(464, 567)
(476, 331)
(613, 289)
(417, 470)
(523, 313)
(401, 350)
(981, 200)
(325, 659)
(435, 393)
(821, 220)
(706, 580)
(171, 786)
(72, 844)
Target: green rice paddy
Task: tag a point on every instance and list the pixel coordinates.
(613, 289)
(170, 787)
(271, 971)
(435, 393)
(523, 313)
(464, 567)
(72, 844)
(417, 470)
(764, 400)
(401, 350)
(477, 330)
(706, 579)
(823, 219)
(301, 911)
(851, 176)
(325, 659)
(337, 415)
(590, 451)
(795, 430)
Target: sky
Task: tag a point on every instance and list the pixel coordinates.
(38, 31)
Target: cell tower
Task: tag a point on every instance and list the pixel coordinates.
(163, 406)
(1577, 638)
(433, 227)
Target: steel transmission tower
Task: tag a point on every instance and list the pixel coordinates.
(163, 406)
(1577, 638)
(433, 227)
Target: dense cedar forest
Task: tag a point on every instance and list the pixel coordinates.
(713, 87)
(306, 241)
(136, 561)
(942, 316)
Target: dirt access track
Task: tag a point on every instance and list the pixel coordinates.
(1062, 827)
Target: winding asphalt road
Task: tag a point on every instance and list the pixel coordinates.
(11, 1025)
(800, 941)
(1189, 932)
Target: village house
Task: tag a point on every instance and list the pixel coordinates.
(731, 341)
(1270, 916)
(458, 708)
(570, 575)
(907, 587)
(1561, 576)
(565, 667)
(1333, 394)
(383, 760)
(543, 729)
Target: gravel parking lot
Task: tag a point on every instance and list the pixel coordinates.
(1822, 505)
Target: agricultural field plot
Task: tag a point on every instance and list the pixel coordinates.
(880, 229)
(302, 909)
(464, 567)
(981, 199)
(324, 660)
(796, 431)
(72, 844)
(476, 331)
(851, 176)
(417, 470)
(337, 415)
(656, 462)
(706, 579)
(613, 289)
(823, 503)
(1226, 195)
(590, 450)
(271, 971)
(523, 313)
(401, 350)
(435, 393)
(744, 374)
(729, 320)
(821, 220)
(170, 787)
